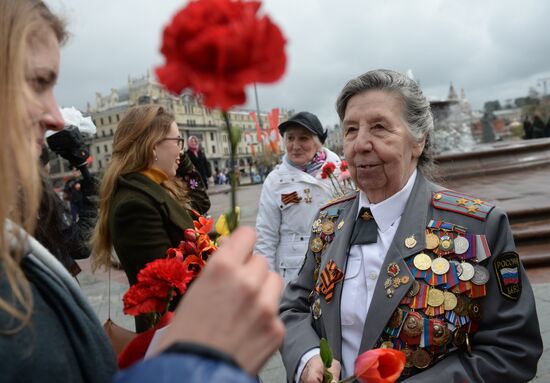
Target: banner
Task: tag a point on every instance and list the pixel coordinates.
(258, 128)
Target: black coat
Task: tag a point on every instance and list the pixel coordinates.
(201, 164)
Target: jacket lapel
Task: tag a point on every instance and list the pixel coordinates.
(339, 254)
(413, 223)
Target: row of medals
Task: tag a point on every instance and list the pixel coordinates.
(324, 227)
(413, 326)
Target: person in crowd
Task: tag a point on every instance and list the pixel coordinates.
(72, 192)
(538, 127)
(55, 229)
(527, 128)
(412, 266)
(48, 331)
(197, 157)
(143, 210)
(547, 128)
(292, 194)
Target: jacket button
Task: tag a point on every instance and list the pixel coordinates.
(301, 238)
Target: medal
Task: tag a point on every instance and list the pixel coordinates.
(458, 268)
(316, 309)
(327, 227)
(474, 311)
(450, 301)
(461, 245)
(415, 288)
(410, 242)
(396, 282)
(386, 344)
(481, 275)
(459, 337)
(316, 245)
(408, 357)
(388, 283)
(405, 279)
(441, 334)
(461, 305)
(445, 243)
(393, 269)
(341, 224)
(435, 297)
(316, 227)
(432, 241)
(422, 261)
(389, 292)
(440, 266)
(468, 272)
(413, 324)
(421, 358)
(396, 318)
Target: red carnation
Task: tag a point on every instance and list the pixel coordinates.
(217, 47)
(329, 168)
(381, 365)
(343, 166)
(157, 284)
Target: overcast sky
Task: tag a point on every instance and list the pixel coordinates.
(494, 49)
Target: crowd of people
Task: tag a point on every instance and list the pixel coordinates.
(398, 262)
(534, 127)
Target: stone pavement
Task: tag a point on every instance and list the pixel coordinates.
(95, 286)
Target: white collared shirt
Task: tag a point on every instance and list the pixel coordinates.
(364, 268)
(362, 271)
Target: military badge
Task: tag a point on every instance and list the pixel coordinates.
(507, 270)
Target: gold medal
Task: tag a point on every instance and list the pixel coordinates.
(316, 309)
(435, 297)
(316, 245)
(410, 242)
(327, 227)
(450, 301)
(422, 261)
(440, 266)
(316, 227)
(432, 241)
(462, 304)
(405, 279)
(421, 358)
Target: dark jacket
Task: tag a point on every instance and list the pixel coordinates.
(63, 341)
(201, 164)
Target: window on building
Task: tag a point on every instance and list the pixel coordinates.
(101, 120)
(225, 150)
(117, 118)
(102, 133)
(105, 149)
(211, 136)
(213, 148)
(111, 131)
(224, 138)
(97, 150)
(110, 121)
(100, 164)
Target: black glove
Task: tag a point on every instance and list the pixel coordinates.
(70, 145)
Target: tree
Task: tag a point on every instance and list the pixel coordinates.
(491, 106)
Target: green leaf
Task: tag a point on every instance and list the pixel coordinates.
(327, 377)
(326, 353)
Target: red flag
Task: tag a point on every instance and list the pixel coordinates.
(258, 129)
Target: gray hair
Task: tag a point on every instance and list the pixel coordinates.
(417, 112)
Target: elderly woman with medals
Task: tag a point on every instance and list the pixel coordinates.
(412, 265)
(293, 193)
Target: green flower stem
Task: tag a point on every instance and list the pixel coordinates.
(231, 218)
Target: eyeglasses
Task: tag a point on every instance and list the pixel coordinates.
(179, 140)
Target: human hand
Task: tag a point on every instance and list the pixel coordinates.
(232, 306)
(314, 370)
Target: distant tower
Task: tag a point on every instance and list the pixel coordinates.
(462, 94)
(452, 93)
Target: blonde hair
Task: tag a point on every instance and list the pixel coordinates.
(21, 24)
(141, 128)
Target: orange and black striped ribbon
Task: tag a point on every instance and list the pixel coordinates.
(290, 198)
(328, 279)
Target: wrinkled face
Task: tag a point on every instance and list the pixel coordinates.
(300, 145)
(378, 145)
(168, 151)
(41, 71)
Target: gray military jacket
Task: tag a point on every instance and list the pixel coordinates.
(507, 344)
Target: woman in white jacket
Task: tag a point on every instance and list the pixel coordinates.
(293, 193)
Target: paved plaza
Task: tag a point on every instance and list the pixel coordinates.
(96, 287)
